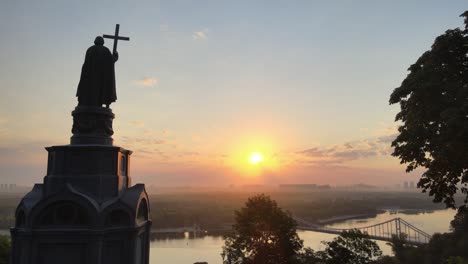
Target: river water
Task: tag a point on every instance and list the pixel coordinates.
(189, 250)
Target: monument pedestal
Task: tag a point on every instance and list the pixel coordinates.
(92, 125)
(86, 211)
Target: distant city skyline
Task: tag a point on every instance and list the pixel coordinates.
(204, 87)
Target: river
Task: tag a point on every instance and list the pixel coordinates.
(189, 250)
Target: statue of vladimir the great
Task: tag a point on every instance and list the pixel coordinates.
(97, 82)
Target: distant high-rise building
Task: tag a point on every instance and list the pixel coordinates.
(405, 185)
(7, 187)
(412, 185)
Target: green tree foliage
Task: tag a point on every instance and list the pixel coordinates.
(434, 114)
(457, 260)
(459, 224)
(4, 249)
(387, 260)
(399, 248)
(351, 247)
(309, 256)
(263, 234)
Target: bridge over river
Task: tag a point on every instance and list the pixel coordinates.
(384, 231)
(381, 231)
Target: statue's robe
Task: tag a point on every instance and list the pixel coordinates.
(97, 82)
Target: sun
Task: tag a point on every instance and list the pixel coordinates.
(255, 158)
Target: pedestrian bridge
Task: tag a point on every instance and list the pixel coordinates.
(382, 231)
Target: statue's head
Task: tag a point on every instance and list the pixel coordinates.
(99, 40)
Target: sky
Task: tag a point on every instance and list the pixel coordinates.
(202, 85)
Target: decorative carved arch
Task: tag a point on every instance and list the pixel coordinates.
(142, 213)
(63, 213)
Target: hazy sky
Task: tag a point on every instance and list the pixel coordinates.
(202, 84)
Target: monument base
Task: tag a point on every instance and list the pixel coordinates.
(92, 125)
(71, 228)
(86, 212)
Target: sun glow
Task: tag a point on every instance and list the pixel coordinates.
(253, 155)
(255, 158)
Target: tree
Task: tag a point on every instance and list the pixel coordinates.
(387, 260)
(398, 244)
(352, 247)
(433, 102)
(263, 234)
(5, 246)
(457, 260)
(309, 256)
(459, 224)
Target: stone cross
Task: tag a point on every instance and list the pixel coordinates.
(116, 38)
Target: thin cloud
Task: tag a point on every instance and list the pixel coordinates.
(387, 129)
(137, 123)
(387, 139)
(354, 154)
(147, 82)
(346, 152)
(313, 152)
(143, 141)
(199, 35)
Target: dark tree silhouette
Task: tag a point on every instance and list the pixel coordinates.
(263, 233)
(352, 247)
(459, 224)
(434, 114)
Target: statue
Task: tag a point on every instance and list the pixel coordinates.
(97, 82)
(92, 123)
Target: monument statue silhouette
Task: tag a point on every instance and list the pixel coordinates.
(97, 82)
(86, 211)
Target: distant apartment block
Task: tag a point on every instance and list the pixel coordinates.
(7, 187)
(304, 187)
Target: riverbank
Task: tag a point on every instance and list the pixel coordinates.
(341, 218)
(208, 248)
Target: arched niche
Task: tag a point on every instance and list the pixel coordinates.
(117, 217)
(63, 213)
(142, 214)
